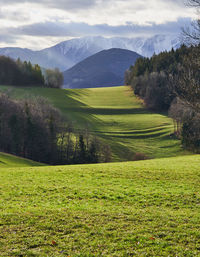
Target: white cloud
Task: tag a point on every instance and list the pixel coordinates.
(85, 17)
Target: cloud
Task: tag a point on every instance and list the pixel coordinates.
(112, 12)
(8, 39)
(93, 5)
(77, 4)
(72, 29)
(59, 4)
(26, 21)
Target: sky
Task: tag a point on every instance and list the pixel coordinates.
(37, 24)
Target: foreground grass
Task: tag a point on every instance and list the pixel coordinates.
(116, 116)
(8, 160)
(147, 208)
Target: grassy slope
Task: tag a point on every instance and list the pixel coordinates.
(115, 115)
(147, 208)
(8, 160)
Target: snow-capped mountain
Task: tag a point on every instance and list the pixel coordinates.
(68, 53)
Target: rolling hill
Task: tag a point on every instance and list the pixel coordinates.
(116, 116)
(105, 68)
(68, 53)
(9, 160)
(147, 208)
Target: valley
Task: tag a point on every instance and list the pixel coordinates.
(100, 128)
(116, 116)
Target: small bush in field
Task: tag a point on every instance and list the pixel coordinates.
(140, 157)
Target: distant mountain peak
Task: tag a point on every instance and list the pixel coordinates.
(68, 53)
(105, 68)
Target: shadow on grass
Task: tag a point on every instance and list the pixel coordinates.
(136, 136)
(65, 100)
(141, 131)
(114, 111)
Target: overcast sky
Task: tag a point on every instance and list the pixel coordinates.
(37, 24)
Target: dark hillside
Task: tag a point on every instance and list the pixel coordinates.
(105, 68)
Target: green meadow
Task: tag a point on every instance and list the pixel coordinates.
(116, 116)
(8, 160)
(145, 208)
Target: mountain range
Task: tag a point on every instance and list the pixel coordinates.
(68, 53)
(105, 68)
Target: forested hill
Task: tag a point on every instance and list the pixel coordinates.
(103, 69)
(170, 82)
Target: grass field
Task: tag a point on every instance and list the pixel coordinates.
(147, 208)
(116, 116)
(8, 160)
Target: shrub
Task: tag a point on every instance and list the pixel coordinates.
(140, 157)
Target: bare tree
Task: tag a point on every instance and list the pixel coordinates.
(191, 35)
(53, 78)
(194, 3)
(186, 82)
(179, 112)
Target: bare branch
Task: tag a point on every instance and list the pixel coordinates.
(191, 35)
(194, 3)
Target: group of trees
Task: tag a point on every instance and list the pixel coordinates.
(20, 73)
(152, 78)
(53, 78)
(34, 129)
(185, 110)
(170, 82)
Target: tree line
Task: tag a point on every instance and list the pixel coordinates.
(152, 78)
(18, 73)
(170, 81)
(34, 129)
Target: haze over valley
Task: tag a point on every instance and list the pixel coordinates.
(68, 53)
